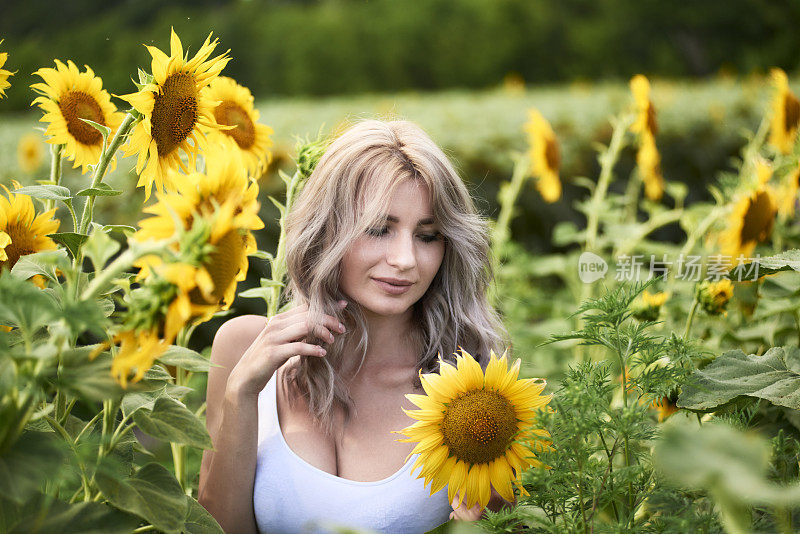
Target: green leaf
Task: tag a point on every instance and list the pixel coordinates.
(171, 421)
(104, 130)
(32, 460)
(90, 380)
(101, 190)
(255, 293)
(24, 305)
(773, 376)
(262, 255)
(729, 463)
(121, 228)
(71, 240)
(134, 401)
(788, 260)
(276, 202)
(48, 192)
(106, 306)
(42, 263)
(99, 248)
(153, 493)
(82, 518)
(199, 521)
(185, 359)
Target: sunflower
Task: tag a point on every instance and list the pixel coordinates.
(174, 107)
(68, 96)
(645, 111)
(4, 74)
(664, 407)
(785, 114)
(153, 317)
(752, 218)
(25, 231)
(137, 350)
(227, 201)
(646, 127)
(788, 195)
(714, 296)
(649, 306)
(544, 155)
(29, 153)
(5, 240)
(472, 428)
(236, 109)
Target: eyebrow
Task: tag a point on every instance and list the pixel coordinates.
(422, 222)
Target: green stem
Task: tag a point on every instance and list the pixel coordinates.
(55, 172)
(179, 451)
(632, 191)
(501, 230)
(643, 230)
(690, 318)
(797, 325)
(102, 166)
(88, 426)
(595, 206)
(607, 161)
(278, 262)
(124, 261)
(66, 437)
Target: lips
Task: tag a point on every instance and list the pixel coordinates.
(394, 281)
(393, 287)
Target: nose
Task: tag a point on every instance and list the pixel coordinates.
(400, 252)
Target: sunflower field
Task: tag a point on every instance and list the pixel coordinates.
(654, 293)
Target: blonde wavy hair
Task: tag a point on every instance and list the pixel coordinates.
(348, 193)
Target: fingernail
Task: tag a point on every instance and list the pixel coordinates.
(330, 338)
(322, 351)
(341, 328)
(343, 303)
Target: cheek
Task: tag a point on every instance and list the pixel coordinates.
(432, 260)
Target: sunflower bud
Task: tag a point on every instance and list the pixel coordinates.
(714, 296)
(648, 307)
(308, 155)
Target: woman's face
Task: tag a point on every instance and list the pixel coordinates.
(390, 267)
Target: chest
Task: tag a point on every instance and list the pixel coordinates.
(363, 448)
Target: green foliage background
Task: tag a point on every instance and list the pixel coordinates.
(330, 47)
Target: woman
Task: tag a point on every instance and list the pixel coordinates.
(388, 263)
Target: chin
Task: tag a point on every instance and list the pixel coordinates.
(387, 309)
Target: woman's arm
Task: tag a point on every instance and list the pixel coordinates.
(247, 351)
(227, 473)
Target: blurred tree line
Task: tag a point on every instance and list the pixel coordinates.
(307, 47)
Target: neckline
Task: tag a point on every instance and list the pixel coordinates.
(319, 471)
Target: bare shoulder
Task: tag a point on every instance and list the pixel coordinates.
(234, 337)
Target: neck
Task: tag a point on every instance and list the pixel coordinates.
(389, 343)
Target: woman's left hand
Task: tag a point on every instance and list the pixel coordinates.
(462, 513)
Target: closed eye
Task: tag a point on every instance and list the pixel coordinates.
(425, 238)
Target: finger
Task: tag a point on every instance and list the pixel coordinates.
(303, 330)
(301, 348)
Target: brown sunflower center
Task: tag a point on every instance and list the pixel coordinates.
(652, 123)
(230, 113)
(758, 219)
(22, 242)
(223, 266)
(174, 112)
(552, 155)
(478, 426)
(77, 105)
(791, 107)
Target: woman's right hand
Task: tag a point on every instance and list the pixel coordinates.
(284, 335)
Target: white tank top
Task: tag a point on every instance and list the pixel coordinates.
(293, 496)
